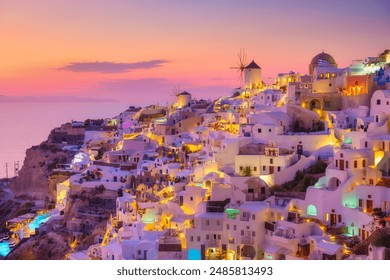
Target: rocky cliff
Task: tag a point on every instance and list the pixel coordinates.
(36, 179)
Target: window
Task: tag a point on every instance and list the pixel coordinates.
(371, 182)
(198, 238)
(360, 202)
(253, 216)
(330, 84)
(337, 163)
(365, 145)
(278, 168)
(263, 167)
(271, 161)
(241, 168)
(327, 104)
(355, 164)
(346, 164)
(227, 226)
(191, 238)
(191, 198)
(378, 102)
(253, 233)
(242, 232)
(259, 130)
(207, 237)
(234, 227)
(269, 130)
(255, 168)
(311, 210)
(364, 163)
(341, 155)
(219, 237)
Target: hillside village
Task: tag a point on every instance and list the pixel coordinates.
(298, 169)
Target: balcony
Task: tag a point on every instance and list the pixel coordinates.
(269, 226)
(244, 218)
(213, 243)
(247, 240)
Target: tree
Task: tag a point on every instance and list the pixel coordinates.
(246, 172)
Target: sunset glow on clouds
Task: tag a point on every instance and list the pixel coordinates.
(120, 49)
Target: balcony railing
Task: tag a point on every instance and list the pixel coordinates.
(269, 226)
(213, 243)
(244, 218)
(247, 240)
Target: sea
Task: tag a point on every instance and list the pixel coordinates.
(23, 125)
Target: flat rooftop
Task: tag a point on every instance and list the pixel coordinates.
(259, 149)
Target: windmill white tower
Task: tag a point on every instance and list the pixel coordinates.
(252, 73)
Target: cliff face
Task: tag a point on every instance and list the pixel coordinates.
(53, 246)
(33, 180)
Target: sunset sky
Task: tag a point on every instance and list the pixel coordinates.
(128, 50)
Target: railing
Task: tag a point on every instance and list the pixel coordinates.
(244, 218)
(213, 243)
(247, 240)
(269, 226)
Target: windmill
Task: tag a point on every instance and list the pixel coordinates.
(176, 91)
(241, 64)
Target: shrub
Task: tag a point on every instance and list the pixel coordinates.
(318, 167)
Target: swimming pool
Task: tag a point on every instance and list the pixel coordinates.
(4, 248)
(40, 219)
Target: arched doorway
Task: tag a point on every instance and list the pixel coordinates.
(334, 183)
(311, 210)
(315, 104)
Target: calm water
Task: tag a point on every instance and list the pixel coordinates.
(23, 125)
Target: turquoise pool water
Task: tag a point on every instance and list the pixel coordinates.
(4, 248)
(40, 219)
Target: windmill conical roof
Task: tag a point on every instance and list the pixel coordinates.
(252, 65)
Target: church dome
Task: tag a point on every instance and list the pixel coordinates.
(324, 57)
